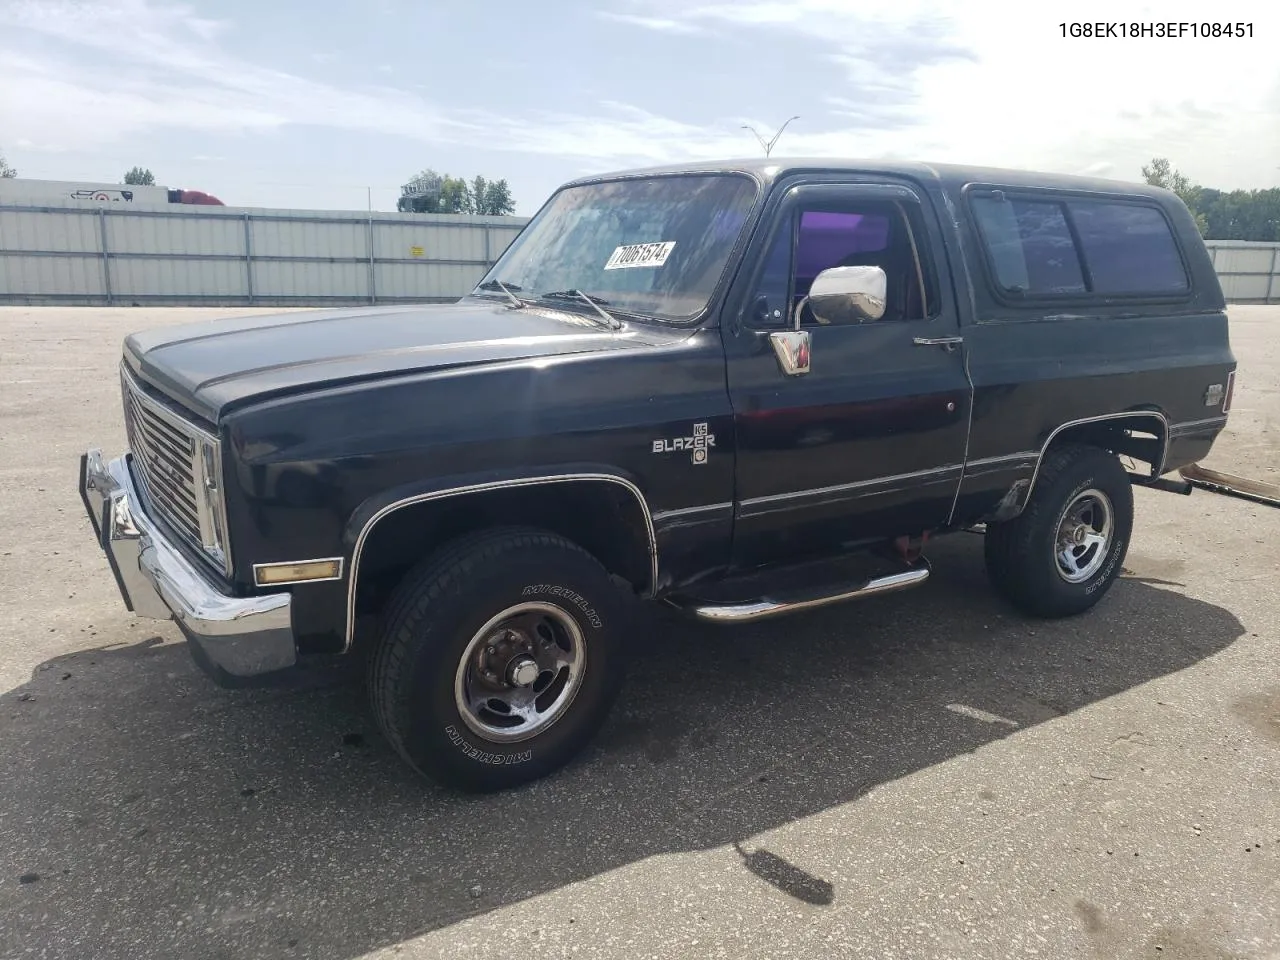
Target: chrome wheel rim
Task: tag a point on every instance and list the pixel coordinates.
(1084, 536)
(520, 672)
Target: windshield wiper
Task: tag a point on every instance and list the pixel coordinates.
(506, 288)
(597, 303)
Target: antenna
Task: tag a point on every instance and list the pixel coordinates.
(767, 145)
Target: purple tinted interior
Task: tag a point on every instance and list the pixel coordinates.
(827, 238)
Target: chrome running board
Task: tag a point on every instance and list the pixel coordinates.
(749, 611)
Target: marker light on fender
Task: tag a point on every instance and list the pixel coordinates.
(275, 574)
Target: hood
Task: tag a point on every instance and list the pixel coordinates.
(211, 366)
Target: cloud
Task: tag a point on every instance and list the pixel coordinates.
(880, 52)
(883, 46)
(993, 85)
(866, 113)
(91, 86)
(87, 88)
(660, 24)
(995, 82)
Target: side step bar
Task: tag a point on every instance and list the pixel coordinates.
(749, 611)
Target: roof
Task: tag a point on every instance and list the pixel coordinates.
(952, 175)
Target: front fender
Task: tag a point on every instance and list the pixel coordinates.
(374, 508)
(366, 517)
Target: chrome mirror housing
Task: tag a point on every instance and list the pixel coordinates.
(846, 295)
(837, 295)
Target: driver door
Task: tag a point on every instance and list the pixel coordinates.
(869, 442)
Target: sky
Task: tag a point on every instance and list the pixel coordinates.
(328, 105)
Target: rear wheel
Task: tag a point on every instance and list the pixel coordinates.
(499, 659)
(1061, 555)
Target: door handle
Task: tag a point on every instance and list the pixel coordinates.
(947, 343)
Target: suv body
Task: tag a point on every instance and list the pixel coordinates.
(740, 388)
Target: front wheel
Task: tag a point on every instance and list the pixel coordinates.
(499, 660)
(1061, 555)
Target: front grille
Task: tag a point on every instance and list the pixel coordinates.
(165, 457)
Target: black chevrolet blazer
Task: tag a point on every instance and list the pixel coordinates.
(679, 384)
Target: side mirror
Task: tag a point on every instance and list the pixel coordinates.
(838, 295)
(846, 295)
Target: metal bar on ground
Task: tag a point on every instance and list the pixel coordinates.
(1258, 490)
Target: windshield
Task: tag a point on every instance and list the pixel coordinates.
(654, 247)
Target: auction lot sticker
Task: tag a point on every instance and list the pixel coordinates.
(640, 255)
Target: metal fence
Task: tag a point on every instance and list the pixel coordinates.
(223, 256)
(1249, 271)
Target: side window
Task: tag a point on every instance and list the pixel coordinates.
(1090, 247)
(1128, 248)
(814, 239)
(1030, 245)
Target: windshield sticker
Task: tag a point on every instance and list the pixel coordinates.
(640, 255)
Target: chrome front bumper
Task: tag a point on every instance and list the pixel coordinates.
(231, 637)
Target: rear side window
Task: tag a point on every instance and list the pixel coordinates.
(1128, 248)
(1030, 246)
(1079, 247)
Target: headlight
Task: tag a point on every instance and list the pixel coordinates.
(210, 504)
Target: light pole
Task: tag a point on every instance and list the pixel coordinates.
(768, 144)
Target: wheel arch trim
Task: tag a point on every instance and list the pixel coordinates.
(488, 487)
(1155, 415)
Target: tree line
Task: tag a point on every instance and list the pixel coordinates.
(1221, 214)
(137, 177)
(428, 192)
(431, 192)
